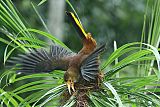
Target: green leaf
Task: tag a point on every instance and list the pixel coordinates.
(48, 36)
(42, 1)
(111, 88)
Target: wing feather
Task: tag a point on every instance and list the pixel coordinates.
(41, 60)
(90, 66)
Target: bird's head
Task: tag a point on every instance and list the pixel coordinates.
(70, 77)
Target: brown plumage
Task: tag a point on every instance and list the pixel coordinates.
(80, 67)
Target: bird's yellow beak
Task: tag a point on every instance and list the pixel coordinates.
(70, 85)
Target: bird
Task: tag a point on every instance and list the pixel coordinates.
(80, 66)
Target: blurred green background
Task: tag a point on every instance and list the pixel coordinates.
(107, 20)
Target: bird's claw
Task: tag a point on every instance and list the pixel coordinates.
(70, 85)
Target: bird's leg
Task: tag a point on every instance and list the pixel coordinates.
(70, 85)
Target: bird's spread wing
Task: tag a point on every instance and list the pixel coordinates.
(90, 66)
(57, 58)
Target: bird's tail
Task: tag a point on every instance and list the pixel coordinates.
(77, 25)
(87, 39)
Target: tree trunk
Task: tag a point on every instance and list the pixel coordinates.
(56, 18)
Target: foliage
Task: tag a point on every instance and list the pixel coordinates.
(39, 90)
